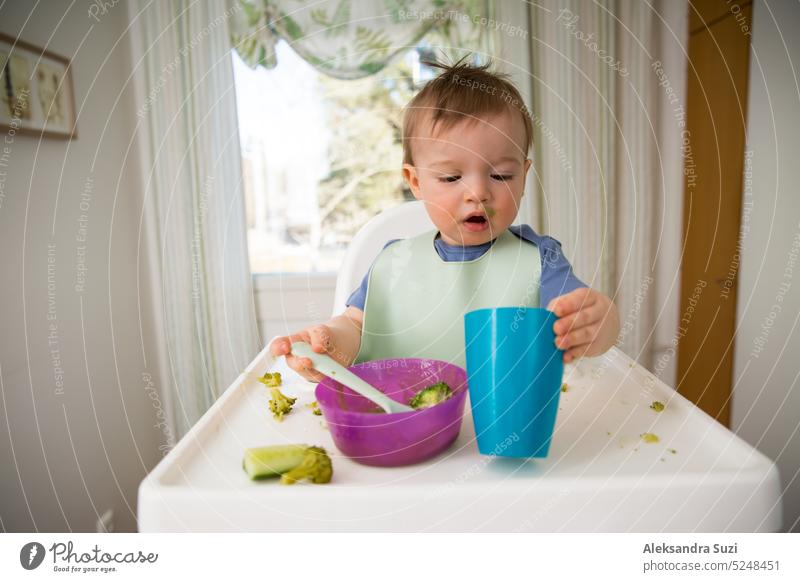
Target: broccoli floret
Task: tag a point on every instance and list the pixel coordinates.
(431, 396)
(292, 462)
(279, 403)
(564, 387)
(316, 466)
(315, 409)
(271, 379)
(657, 406)
(649, 437)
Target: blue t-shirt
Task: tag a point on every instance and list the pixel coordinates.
(557, 276)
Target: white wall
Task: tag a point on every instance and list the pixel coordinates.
(69, 454)
(287, 303)
(766, 401)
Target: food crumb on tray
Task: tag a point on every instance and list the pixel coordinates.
(649, 437)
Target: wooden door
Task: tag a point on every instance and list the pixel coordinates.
(714, 157)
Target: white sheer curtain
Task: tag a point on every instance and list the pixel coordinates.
(609, 176)
(195, 224)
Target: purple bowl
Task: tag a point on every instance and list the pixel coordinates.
(363, 432)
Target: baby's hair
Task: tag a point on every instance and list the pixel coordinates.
(463, 91)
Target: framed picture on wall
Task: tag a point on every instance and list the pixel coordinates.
(36, 93)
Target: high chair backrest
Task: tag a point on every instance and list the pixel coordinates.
(403, 221)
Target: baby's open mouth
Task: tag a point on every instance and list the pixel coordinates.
(476, 223)
(476, 219)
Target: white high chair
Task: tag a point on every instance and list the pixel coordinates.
(403, 221)
(599, 475)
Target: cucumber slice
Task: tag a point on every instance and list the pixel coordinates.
(261, 462)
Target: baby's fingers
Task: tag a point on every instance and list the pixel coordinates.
(304, 367)
(579, 319)
(575, 300)
(282, 346)
(577, 337)
(278, 346)
(320, 338)
(575, 353)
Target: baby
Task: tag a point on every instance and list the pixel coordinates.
(466, 137)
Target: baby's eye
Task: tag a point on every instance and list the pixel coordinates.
(502, 177)
(449, 178)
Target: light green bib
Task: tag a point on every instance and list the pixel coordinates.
(416, 300)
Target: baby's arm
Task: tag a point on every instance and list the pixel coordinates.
(587, 325)
(340, 337)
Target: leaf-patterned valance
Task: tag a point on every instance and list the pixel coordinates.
(349, 39)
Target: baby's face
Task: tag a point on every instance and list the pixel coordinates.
(471, 176)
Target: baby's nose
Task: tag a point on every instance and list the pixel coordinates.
(480, 193)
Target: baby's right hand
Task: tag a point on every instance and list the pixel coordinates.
(320, 339)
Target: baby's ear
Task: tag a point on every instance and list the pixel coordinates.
(411, 178)
(528, 163)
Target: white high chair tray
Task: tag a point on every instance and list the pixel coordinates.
(599, 476)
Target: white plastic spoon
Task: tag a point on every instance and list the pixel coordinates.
(325, 364)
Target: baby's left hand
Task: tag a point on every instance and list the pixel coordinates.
(587, 325)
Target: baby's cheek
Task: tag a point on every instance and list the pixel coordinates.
(441, 214)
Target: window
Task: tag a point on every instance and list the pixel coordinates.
(321, 156)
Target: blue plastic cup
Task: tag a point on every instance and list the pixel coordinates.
(514, 372)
